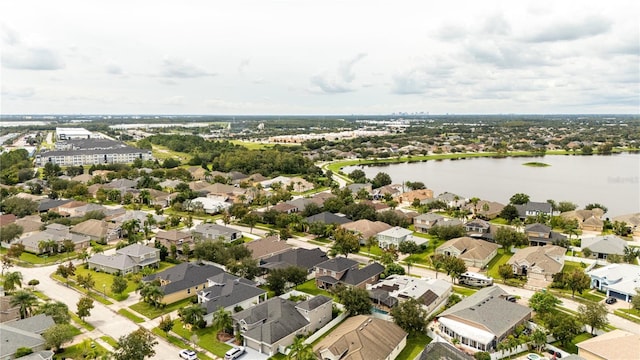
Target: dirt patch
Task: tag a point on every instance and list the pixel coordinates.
(224, 337)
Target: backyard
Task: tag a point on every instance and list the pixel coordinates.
(500, 259)
(152, 312)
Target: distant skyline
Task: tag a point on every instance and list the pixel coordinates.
(319, 57)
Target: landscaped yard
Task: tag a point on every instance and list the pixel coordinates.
(81, 350)
(494, 264)
(572, 348)
(569, 266)
(131, 316)
(178, 342)
(152, 312)
(463, 290)
(310, 287)
(415, 344)
(103, 282)
(206, 338)
(46, 259)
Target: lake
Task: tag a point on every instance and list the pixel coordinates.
(609, 180)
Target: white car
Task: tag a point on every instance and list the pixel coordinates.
(234, 353)
(188, 354)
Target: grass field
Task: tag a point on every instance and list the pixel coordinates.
(495, 263)
(206, 338)
(310, 288)
(160, 152)
(572, 348)
(131, 316)
(152, 312)
(415, 345)
(178, 342)
(83, 350)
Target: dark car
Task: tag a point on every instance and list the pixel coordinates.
(554, 354)
(611, 300)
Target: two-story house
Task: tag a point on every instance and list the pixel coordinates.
(174, 237)
(130, 259)
(396, 235)
(534, 209)
(272, 325)
(540, 235)
(341, 270)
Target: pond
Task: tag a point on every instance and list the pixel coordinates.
(612, 180)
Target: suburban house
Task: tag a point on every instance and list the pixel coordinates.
(590, 220)
(303, 258)
(618, 280)
(450, 199)
(439, 350)
(616, 344)
(217, 232)
(632, 222)
(534, 209)
(8, 312)
(410, 196)
(355, 187)
(540, 235)
(424, 222)
(130, 259)
(56, 232)
(341, 270)
(477, 226)
(267, 247)
(6, 219)
(138, 215)
(602, 246)
(183, 280)
(431, 293)
(98, 230)
(25, 333)
(366, 228)
(538, 262)
(362, 337)
(230, 293)
(475, 323)
(174, 237)
(327, 218)
(485, 209)
(209, 204)
(197, 172)
(475, 253)
(396, 235)
(285, 208)
(272, 325)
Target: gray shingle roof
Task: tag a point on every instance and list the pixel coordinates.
(314, 302)
(304, 258)
(23, 333)
(230, 292)
(356, 277)
(608, 244)
(438, 350)
(184, 276)
(487, 308)
(278, 318)
(337, 264)
(327, 218)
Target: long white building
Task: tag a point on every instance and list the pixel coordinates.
(73, 133)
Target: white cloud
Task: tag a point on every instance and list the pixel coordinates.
(338, 81)
(180, 68)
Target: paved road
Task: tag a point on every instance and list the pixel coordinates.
(105, 319)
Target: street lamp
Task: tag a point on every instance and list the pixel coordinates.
(104, 290)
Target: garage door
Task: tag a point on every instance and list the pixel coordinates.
(617, 295)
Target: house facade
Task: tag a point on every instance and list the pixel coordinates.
(174, 237)
(230, 293)
(217, 232)
(183, 280)
(618, 280)
(341, 270)
(538, 262)
(395, 236)
(271, 326)
(603, 246)
(130, 259)
(475, 253)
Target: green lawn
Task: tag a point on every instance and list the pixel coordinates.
(109, 340)
(131, 316)
(92, 294)
(82, 323)
(569, 266)
(629, 314)
(103, 282)
(415, 345)
(45, 259)
(82, 350)
(153, 312)
(463, 290)
(310, 287)
(495, 263)
(161, 153)
(178, 342)
(572, 348)
(206, 338)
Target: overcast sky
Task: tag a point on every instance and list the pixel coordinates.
(320, 57)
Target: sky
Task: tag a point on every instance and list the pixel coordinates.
(319, 57)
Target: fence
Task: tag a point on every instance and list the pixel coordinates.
(316, 335)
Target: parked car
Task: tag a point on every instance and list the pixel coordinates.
(554, 354)
(188, 354)
(234, 353)
(611, 300)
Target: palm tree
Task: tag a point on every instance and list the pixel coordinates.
(539, 338)
(131, 227)
(300, 350)
(12, 280)
(86, 282)
(148, 223)
(409, 264)
(370, 242)
(192, 315)
(152, 294)
(222, 320)
(25, 300)
(145, 197)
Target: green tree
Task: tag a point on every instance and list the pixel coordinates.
(355, 300)
(635, 301)
(277, 281)
(410, 316)
(539, 338)
(138, 345)
(152, 293)
(482, 355)
(345, 242)
(408, 247)
(505, 271)
(12, 280)
(66, 271)
(251, 219)
(222, 320)
(58, 310)
(300, 350)
(594, 315)
(19, 207)
(519, 199)
(587, 252)
(564, 327)
(57, 335)
(454, 267)
(119, 284)
(393, 269)
(508, 237)
(437, 261)
(26, 301)
(381, 179)
(596, 205)
(84, 305)
(86, 281)
(630, 254)
(192, 315)
(543, 302)
(577, 280)
(370, 242)
(10, 232)
(166, 324)
(509, 213)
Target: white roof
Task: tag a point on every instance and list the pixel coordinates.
(474, 275)
(622, 278)
(396, 232)
(484, 337)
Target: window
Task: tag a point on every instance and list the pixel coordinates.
(189, 291)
